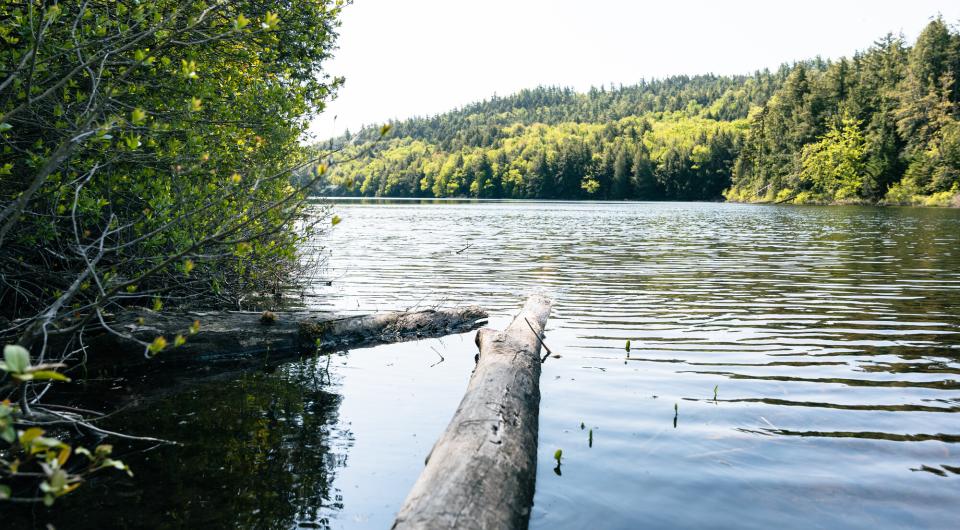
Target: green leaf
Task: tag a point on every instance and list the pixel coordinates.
(8, 434)
(558, 455)
(138, 116)
(157, 345)
(117, 464)
(4, 127)
(30, 435)
(188, 69)
(270, 22)
(49, 375)
(50, 443)
(17, 358)
(5, 492)
(335, 220)
(53, 12)
(64, 454)
(132, 141)
(58, 480)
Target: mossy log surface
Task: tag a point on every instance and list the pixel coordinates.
(482, 471)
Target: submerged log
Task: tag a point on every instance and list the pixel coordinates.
(238, 337)
(481, 472)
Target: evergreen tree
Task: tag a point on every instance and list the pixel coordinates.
(622, 178)
(642, 173)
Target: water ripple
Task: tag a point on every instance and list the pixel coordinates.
(821, 342)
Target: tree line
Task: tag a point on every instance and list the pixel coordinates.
(878, 127)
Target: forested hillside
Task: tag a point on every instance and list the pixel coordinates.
(668, 139)
(880, 126)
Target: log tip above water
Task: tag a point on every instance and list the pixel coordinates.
(389, 326)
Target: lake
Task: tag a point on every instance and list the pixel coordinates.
(789, 366)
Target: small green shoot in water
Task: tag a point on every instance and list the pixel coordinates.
(676, 413)
(590, 439)
(715, 389)
(558, 455)
(582, 426)
(628, 346)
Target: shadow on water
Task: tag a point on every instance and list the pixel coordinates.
(839, 406)
(947, 384)
(949, 438)
(259, 450)
(940, 472)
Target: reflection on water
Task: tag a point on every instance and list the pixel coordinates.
(789, 366)
(258, 451)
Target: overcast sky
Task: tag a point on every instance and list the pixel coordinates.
(403, 58)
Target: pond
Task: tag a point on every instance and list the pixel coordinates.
(789, 366)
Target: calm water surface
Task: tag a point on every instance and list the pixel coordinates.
(790, 366)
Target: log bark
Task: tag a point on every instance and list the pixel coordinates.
(238, 337)
(482, 471)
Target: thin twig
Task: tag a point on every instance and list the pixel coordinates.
(438, 353)
(94, 428)
(549, 353)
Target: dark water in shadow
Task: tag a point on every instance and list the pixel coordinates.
(789, 366)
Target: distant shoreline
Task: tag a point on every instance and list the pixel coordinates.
(470, 200)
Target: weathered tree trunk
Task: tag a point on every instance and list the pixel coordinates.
(481, 472)
(236, 337)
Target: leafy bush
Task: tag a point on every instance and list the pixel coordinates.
(147, 156)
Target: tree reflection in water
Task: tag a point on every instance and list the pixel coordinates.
(257, 451)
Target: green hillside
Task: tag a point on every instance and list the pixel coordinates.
(880, 126)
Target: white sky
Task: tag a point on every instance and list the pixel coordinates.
(403, 58)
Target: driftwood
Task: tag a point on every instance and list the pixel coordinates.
(481, 472)
(238, 337)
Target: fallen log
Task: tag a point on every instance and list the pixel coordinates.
(481, 472)
(236, 337)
